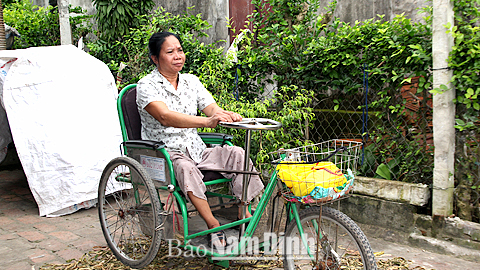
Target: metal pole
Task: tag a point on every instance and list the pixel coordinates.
(246, 177)
(443, 110)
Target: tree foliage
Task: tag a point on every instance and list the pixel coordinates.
(315, 51)
(39, 26)
(116, 17)
(464, 60)
(202, 59)
(296, 44)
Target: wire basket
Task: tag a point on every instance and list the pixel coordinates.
(317, 173)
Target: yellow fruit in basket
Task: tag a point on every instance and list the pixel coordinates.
(302, 178)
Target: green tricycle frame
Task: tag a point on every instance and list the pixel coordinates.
(134, 220)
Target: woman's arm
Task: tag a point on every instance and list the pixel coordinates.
(168, 118)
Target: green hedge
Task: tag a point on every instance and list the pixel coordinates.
(39, 26)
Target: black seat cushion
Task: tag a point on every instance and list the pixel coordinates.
(211, 175)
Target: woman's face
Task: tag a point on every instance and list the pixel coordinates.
(171, 57)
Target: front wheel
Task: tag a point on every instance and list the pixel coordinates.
(128, 207)
(341, 242)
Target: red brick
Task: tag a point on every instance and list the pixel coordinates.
(22, 191)
(16, 227)
(4, 206)
(15, 198)
(88, 232)
(29, 197)
(31, 209)
(9, 236)
(5, 220)
(11, 210)
(73, 225)
(32, 236)
(45, 227)
(19, 266)
(55, 263)
(86, 245)
(15, 175)
(41, 256)
(7, 196)
(29, 219)
(52, 245)
(69, 254)
(65, 235)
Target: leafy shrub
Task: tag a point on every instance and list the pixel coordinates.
(301, 47)
(116, 17)
(204, 60)
(464, 61)
(39, 26)
(319, 53)
(293, 112)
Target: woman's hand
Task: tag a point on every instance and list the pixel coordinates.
(235, 117)
(223, 116)
(216, 114)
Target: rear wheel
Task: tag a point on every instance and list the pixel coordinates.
(341, 242)
(128, 207)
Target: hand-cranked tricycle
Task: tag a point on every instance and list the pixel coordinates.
(141, 204)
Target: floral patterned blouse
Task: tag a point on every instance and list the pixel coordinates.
(189, 97)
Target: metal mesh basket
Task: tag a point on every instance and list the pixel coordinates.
(317, 173)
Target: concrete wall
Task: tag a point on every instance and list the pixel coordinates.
(85, 4)
(213, 11)
(359, 10)
(401, 223)
(216, 11)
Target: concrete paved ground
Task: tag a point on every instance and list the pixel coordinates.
(28, 241)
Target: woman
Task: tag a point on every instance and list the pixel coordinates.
(168, 102)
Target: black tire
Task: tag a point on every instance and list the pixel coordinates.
(340, 234)
(128, 207)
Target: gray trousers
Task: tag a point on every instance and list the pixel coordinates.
(190, 178)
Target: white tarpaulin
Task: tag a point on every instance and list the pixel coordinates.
(61, 107)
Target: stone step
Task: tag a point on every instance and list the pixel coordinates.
(451, 229)
(443, 247)
(398, 222)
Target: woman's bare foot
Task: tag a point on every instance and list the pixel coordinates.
(217, 239)
(247, 214)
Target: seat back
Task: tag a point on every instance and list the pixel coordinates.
(134, 146)
(131, 117)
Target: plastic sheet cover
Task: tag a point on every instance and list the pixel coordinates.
(61, 108)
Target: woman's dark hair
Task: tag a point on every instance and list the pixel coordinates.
(156, 41)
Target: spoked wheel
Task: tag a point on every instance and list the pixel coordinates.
(128, 207)
(341, 242)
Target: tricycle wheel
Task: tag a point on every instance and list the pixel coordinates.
(341, 243)
(128, 208)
